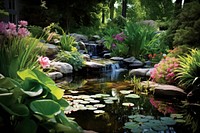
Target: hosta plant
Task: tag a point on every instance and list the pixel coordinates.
(33, 104)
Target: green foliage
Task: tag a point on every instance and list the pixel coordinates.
(137, 36)
(178, 51)
(155, 48)
(67, 42)
(189, 70)
(36, 31)
(74, 58)
(185, 28)
(33, 104)
(17, 54)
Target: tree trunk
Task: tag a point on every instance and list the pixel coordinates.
(124, 8)
(112, 8)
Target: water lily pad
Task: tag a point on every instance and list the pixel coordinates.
(131, 125)
(136, 116)
(102, 95)
(74, 92)
(178, 116)
(99, 105)
(160, 127)
(88, 99)
(125, 91)
(85, 102)
(111, 98)
(132, 96)
(141, 119)
(99, 111)
(90, 107)
(109, 101)
(180, 121)
(168, 121)
(94, 101)
(128, 104)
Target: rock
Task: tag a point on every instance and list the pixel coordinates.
(1, 76)
(136, 64)
(62, 67)
(101, 41)
(81, 45)
(169, 91)
(95, 37)
(129, 60)
(117, 58)
(107, 55)
(138, 72)
(93, 65)
(51, 49)
(79, 37)
(55, 75)
(86, 57)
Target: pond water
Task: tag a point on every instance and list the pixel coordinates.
(107, 104)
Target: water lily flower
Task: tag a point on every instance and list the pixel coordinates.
(44, 61)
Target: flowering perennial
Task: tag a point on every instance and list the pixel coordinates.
(44, 61)
(163, 72)
(11, 30)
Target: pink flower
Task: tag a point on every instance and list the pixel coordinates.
(11, 26)
(22, 32)
(3, 27)
(44, 61)
(23, 23)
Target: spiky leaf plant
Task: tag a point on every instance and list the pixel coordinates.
(189, 70)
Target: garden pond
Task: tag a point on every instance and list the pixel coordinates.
(107, 104)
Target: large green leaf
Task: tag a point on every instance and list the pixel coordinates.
(42, 79)
(45, 107)
(17, 109)
(26, 126)
(27, 74)
(63, 103)
(73, 127)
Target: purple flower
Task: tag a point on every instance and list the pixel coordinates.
(23, 23)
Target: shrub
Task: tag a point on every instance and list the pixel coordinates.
(36, 31)
(74, 58)
(137, 36)
(164, 71)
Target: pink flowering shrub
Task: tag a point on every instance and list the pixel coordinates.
(12, 30)
(164, 71)
(162, 107)
(44, 61)
(119, 37)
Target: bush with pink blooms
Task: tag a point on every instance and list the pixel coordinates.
(11, 30)
(164, 71)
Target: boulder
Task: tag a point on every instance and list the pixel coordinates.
(79, 37)
(169, 91)
(138, 72)
(148, 74)
(117, 58)
(1, 76)
(51, 49)
(90, 64)
(129, 60)
(55, 75)
(107, 55)
(62, 67)
(136, 64)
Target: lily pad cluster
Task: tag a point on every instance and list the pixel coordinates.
(148, 124)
